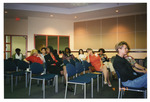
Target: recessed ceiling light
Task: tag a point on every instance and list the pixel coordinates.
(75, 17)
(5, 12)
(51, 15)
(117, 11)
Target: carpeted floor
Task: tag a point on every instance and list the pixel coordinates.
(36, 91)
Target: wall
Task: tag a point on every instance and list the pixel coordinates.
(13, 27)
(49, 26)
(105, 33)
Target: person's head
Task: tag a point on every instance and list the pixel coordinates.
(81, 51)
(89, 51)
(49, 49)
(34, 52)
(122, 47)
(67, 50)
(101, 51)
(43, 50)
(17, 50)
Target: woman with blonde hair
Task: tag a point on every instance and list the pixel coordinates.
(34, 57)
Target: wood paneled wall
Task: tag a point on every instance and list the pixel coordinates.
(105, 33)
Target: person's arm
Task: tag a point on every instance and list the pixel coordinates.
(26, 61)
(88, 59)
(139, 71)
(48, 61)
(139, 66)
(40, 57)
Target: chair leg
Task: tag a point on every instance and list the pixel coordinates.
(30, 86)
(56, 84)
(97, 83)
(26, 83)
(54, 81)
(43, 88)
(75, 87)
(84, 90)
(66, 90)
(119, 94)
(91, 87)
(102, 79)
(11, 83)
(16, 80)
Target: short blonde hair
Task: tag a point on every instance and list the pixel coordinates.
(120, 45)
(33, 52)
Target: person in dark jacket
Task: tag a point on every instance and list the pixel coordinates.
(129, 77)
(53, 62)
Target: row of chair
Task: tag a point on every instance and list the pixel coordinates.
(74, 68)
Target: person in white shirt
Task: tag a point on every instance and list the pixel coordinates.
(18, 55)
(81, 55)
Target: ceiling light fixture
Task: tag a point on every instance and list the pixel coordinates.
(117, 11)
(5, 12)
(51, 15)
(75, 17)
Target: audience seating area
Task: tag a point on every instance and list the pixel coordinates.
(86, 85)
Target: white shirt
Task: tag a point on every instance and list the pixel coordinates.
(82, 56)
(18, 57)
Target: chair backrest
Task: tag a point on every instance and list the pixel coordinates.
(76, 60)
(86, 65)
(36, 68)
(79, 67)
(72, 62)
(9, 65)
(112, 59)
(23, 65)
(145, 62)
(71, 71)
(65, 62)
(16, 61)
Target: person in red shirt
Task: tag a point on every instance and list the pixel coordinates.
(96, 62)
(34, 57)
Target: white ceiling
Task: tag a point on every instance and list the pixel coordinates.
(69, 10)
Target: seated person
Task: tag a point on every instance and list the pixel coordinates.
(81, 55)
(67, 54)
(18, 55)
(135, 66)
(106, 62)
(55, 64)
(129, 77)
(95, 61)
(34, 57)
(43, 53)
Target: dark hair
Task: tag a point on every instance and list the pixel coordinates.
(101, 49)
(43, 48)
(55, 51)
(68, 49)
(81, 50)
(17, 49)
(51, 48)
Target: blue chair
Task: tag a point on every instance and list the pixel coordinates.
(93, 74)
(122, 88)
(37, 69)
(10, 70)
(79, 69)
(71, 71)
(72, 62)
(65, 62)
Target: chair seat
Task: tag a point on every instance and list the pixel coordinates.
(20, 73)
(45, 76)
(90, 75)
(81, 79)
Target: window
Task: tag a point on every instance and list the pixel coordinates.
(58, 42)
